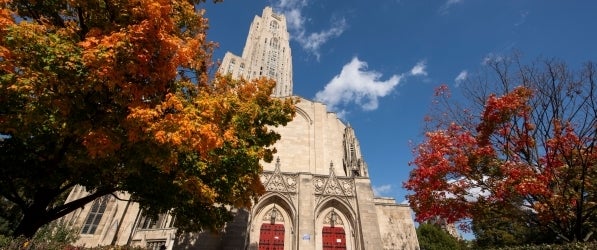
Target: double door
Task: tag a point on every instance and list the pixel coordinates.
(271, 237)
(333, 238)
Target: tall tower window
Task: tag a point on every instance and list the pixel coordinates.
(274, 43)
(273, 26)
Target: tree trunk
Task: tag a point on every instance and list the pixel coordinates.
(38, 214)
(32, 220)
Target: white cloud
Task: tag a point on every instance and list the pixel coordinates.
(523, 18)
(313, 41)
(419, 69)
(492, 58)
(446, 6)
(356, 84)
(381, 190)
(473, 193)
(462, 76)
(296, 21)
(452, 2)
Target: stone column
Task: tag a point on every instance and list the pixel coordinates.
(305, 213)
(367, 221)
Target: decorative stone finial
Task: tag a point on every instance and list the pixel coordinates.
(277, 169)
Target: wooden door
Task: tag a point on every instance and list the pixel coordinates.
(271, 237)
(333, 238)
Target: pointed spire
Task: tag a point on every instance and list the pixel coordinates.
(277, 169)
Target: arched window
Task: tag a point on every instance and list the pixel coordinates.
(274, 43)
(273, 25)
(95, 215)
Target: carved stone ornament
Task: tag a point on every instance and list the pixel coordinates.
(278, 181)
(328, 219)
(333, 185)
(268, 215)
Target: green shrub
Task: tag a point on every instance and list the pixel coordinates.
(50, 237)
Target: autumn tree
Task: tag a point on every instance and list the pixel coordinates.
(522, 152)
(116, 95)
(433, 237)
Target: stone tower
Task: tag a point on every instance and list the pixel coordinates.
(318, 191)
(266, 53)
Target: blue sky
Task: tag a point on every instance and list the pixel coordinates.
(377, 63)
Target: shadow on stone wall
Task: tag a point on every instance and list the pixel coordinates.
(233, 237)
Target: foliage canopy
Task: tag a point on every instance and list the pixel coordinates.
(521, 156)
(117, 96)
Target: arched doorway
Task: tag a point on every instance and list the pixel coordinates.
(276, 213)
(335, 226)
(333, 234)
(272, 232)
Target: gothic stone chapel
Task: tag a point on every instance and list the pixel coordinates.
(319, 194)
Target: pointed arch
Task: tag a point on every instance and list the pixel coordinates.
(285, 215)
(304, 114)
(345, 218)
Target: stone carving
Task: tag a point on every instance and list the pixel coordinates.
(268, 215)
(333, 185)
(318, 182)
(333, 216)
(347, 185)
(353, 160)
(264, 177)
(278, 181)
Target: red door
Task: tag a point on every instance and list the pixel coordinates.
(271, 237)
(333, 238)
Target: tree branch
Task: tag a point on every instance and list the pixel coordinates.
(65, 209)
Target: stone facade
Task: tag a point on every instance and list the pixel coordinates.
(266, 53)
(320, 170)
(318, 195)
(112, 220)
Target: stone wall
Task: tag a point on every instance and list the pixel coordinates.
(396, 225)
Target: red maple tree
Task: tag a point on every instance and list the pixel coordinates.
(530, 149)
